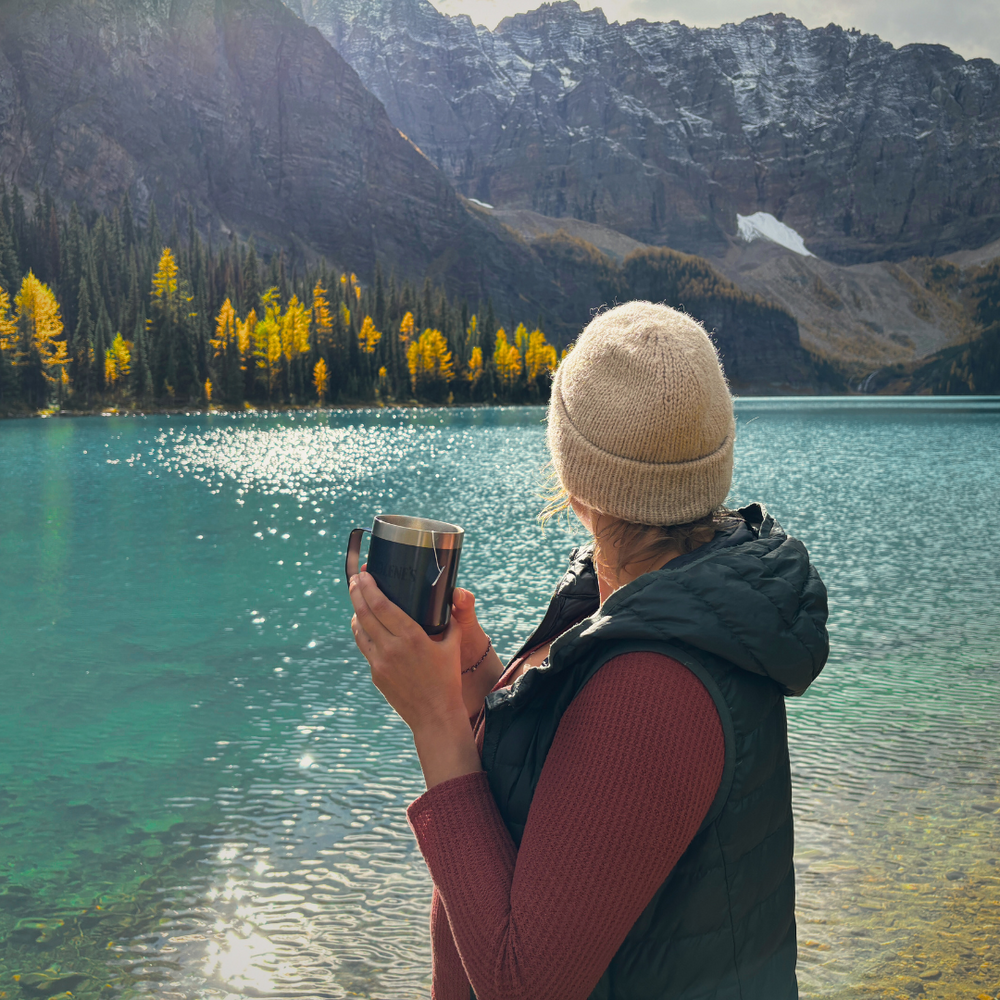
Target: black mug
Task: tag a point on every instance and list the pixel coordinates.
(414, 561)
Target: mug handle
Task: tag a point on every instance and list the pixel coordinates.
(354, 552)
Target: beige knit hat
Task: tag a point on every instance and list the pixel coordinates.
(641, 421)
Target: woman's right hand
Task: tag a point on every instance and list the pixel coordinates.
(478, 683)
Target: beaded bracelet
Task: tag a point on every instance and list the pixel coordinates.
(489, 646)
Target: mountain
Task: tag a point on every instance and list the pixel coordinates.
(241, 111)
(665, 133)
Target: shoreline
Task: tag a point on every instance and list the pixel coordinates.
(179, 411)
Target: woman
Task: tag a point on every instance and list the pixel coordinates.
(616, 822)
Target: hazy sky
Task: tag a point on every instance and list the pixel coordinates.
(970, 27)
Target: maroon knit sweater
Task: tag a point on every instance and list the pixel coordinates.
(632, 771)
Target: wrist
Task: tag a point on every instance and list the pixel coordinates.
(446, 748)
(482, 659)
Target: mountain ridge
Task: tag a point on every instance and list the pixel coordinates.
(665, 132)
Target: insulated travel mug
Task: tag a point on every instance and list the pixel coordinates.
(414, 561)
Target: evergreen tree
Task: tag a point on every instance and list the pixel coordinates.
(142, 381)
(9, 268)
(103, 336)
(82, 343)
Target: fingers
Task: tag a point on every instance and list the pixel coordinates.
(378, 616)
(361, 637)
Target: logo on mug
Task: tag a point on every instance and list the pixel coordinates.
(394, 573)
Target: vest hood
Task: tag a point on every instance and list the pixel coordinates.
(751, 597)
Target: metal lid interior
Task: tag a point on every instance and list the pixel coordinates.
(422, 532)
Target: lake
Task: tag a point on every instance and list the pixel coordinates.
(202, 795)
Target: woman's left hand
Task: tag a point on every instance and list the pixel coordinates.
(420, 677)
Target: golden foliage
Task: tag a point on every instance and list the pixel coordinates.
(40, 326)
(295, 329)
(369, 337)
(8, 328)
(226, 329)
(473, 327)
(506, 359)
(345, 316)
(540, 356)
(521, 338)
(244, 337)
(320, 378)
(321, 316)
(475, 370)
(165, 281)
(117, 360)
(267, 339)
(429, 360)
(406, 328)
(208, 391)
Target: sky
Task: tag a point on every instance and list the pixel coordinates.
(970, 27)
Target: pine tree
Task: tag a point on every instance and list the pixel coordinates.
(251, 280)
(82, 345)
(142, 382)
(103, 336)
(9, 268)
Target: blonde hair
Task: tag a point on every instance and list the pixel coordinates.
(632, 543)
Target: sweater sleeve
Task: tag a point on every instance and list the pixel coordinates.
(632, 771)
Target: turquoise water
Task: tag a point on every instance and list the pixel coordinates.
(202, 795)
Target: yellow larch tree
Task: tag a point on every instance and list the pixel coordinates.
(345, 316)
(475, 370)
(39, 347)
(8, 328)
(521, 338)
(166, 279)
(430, 363)
(322, 317)
(406, 328)
(267, 341)
(506, 360)
(540, 356)
(117, 361)
(369, 337)
(320, 378)
(226, 329)
(244, 337)
(295, 329)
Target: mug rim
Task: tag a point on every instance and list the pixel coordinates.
(420, 532)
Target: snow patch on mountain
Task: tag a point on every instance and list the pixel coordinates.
(764, 226)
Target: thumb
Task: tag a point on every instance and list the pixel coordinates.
(463, 604)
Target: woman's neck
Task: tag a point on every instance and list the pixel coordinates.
(609, 580)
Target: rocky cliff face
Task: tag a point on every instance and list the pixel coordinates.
(665, 132)
(239, 109)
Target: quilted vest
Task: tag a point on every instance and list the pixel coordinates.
(746, 614)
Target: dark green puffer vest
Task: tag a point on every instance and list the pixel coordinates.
(746, 613)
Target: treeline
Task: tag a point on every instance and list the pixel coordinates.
(657, 274)
(101, 309)
(971, 368)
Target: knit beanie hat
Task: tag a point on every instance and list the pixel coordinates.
(640, 422)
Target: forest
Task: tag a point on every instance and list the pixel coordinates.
(100, 311)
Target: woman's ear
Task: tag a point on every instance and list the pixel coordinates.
(584, 514)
